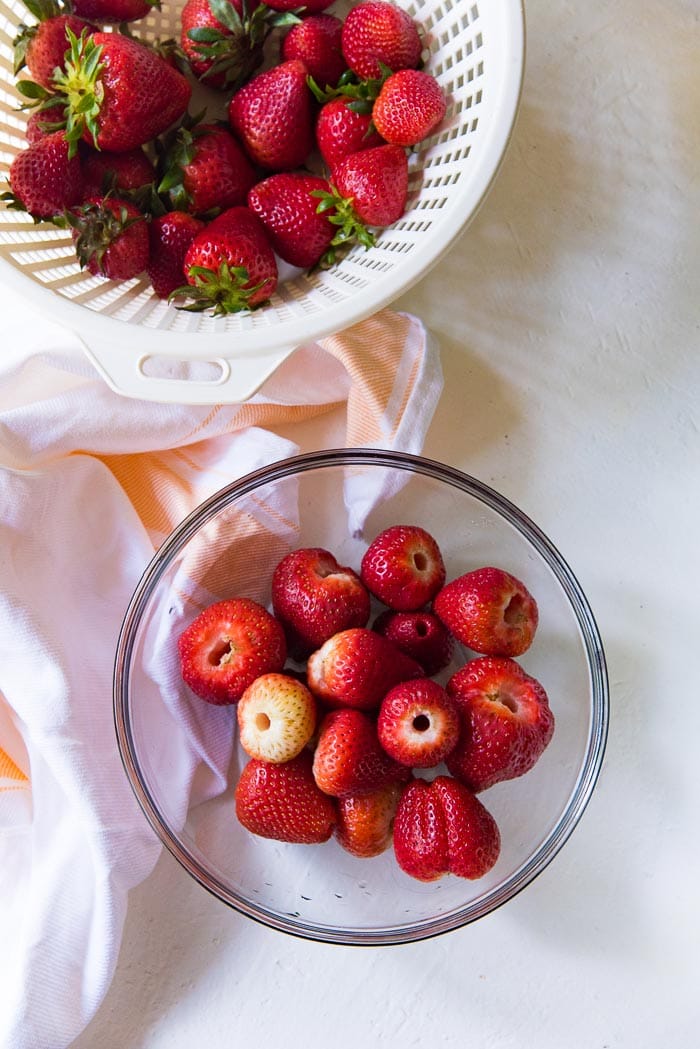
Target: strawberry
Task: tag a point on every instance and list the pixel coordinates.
(276, 717)
(39, 125)
(118, 93)
(223, 40)
(418, 724)
(111, 237)
(343, 128)
(440, 828)
(170, 236)
(314, 598)
(316, 42)
(41, 47)
(366, 821)
(403, 567)
(272, 117)
(506, 722)
(368, 188)
(227, 646)
(377, 33)
(282, 801)
(44, 178)
(490, 611)
(114, 11)
(420, 635)
(356, 668)
(104, 171)
(308, 7)
(409, 106)
(286, 204)
(230, 265)
(204, 169)
(349, 759)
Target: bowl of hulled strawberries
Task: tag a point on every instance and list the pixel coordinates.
(361, 697)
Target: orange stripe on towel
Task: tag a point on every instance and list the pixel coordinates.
(11, 776)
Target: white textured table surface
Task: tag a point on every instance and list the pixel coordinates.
(569, 325)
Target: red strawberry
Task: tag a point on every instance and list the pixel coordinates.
(287, 205)
(230, 265)
(119, 93)
(42, 46)
(111, 237)
(420, 635)
(205, 169)
(44, 178)
(276, 717)
(341, 130)
(366, 821)
(441, 828)
(104, 171)
(316, 42)
(170, 236)
(490, 611)
(40, 124)
(506, 722)
(403, 567)
(272, 117)
(377, 32)
(408, 107)
(314, 598)
(418, 723)
(356, 668)
(307, 7)
(116, 11)
(227, 646)
(282, 801)
(348, 758)
(224, 40)
(370, 189)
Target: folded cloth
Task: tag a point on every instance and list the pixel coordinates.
(90, 485)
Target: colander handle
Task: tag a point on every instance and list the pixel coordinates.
(177, 379)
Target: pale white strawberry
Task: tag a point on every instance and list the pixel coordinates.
(276, 718)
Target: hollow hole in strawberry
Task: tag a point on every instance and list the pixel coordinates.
(262, 722)
(421, 722)
(421, 628)
(509, 702)
(513, 613)
(221, 653)
(420, 561)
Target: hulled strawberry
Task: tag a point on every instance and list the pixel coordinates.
(204, 169)
(287, 205)
(170, 236)
(490, 611)
(230, 265)
(420, 635)
(366, 821)
(227, 646)
(118, 93)
(283, 802)
(224, 40)
(44, 178)
(315, 41)
(104, 171)
(409, 106)
(506, 722)
(369, 189)
(403, 567)
(272, 117)
(41, 46)
(442, 828)
(343, 127)
(377, 33)
(276, 717)
(349, 759)
(356, 668)
(111, 237)
(418, 723)
(315, 597)
(114, 11)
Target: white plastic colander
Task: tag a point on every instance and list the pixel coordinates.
(140, 343)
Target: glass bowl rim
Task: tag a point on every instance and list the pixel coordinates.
(595, 656)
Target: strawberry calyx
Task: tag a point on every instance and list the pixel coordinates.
(96, 227)
(224, 290)
(341, 213)
(78, 84)
(360, 93)
(177, 152)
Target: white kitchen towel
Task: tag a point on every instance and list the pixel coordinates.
(90, 485)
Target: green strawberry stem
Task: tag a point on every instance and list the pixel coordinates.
(361, 93)
(340, 212)
(81, 89)
(223, 290)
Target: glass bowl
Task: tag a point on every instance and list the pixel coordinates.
(182, 757)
